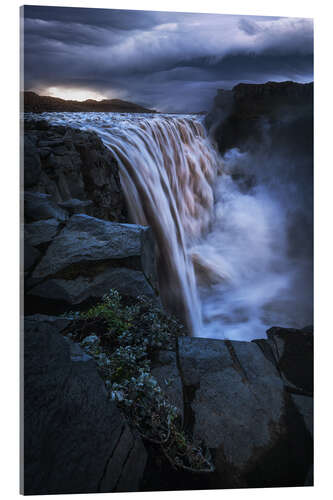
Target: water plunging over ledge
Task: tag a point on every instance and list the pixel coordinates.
(222, 254)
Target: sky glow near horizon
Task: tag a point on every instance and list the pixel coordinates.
(167, 61)
(73, 93)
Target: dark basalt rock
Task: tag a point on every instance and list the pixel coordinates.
(74, 206)
(239, 117)
(40, 206)
(81, 289)
(31, 256)
(293, 351)
(32, 164)
(41, 231)
(166, 372)
(74, 168)
(243, 412)
(75, 439)
(87, 239)
(75, 252)
(235, 399)
(80, 260)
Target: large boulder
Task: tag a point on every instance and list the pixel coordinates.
(75, 439)
(87, 257)
(87, 239)
(238, 405)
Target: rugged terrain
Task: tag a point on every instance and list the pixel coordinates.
(241, 116)
(246, 406)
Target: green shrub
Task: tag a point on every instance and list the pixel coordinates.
(122, 340)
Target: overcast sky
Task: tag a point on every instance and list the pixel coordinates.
(167, 61)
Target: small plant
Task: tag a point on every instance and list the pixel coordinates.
(122, 339)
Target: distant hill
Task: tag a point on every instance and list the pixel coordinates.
(34, 103)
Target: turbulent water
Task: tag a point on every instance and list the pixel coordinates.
(224, 253)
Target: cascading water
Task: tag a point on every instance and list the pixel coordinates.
(167, 172)
(167, 169)
(222, 250)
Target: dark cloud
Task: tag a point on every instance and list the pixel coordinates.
(102, 18)
(169, 61)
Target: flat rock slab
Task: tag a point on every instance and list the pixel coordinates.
(242, 412)
(83, 258)
(75, 439)
(85, 239)
(235, 387)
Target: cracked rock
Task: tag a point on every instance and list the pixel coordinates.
(166, 373)
(243, 413)
(71, 430)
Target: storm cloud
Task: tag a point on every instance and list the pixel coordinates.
(167, 61)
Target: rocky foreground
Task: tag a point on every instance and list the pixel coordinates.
(249, 402)
(243, 409)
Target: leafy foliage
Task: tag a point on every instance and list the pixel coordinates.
(122, 339)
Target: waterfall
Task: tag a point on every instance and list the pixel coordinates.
(167, 169)
(233, 234)
(167, 172)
